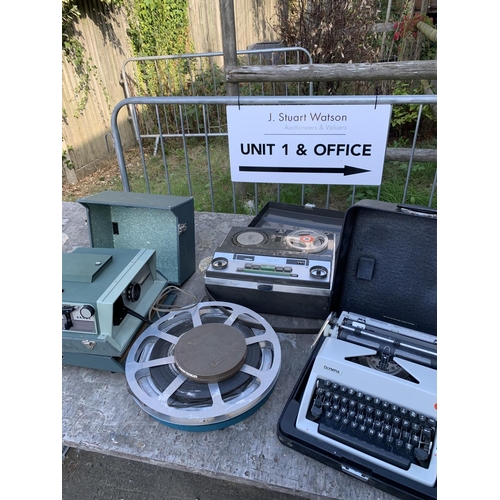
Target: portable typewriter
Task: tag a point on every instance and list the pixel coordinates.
(372, 392)
(366, 401)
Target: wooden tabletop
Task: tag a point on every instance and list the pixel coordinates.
(100, 415)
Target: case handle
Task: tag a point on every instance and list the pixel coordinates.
(419, 211)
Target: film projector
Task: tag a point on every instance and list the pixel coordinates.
(106, 294)
(205, 367)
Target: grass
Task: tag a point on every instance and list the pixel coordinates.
(191, 176)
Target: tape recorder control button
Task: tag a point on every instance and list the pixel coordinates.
(268, 268)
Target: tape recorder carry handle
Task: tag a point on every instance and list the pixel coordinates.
(418, 210)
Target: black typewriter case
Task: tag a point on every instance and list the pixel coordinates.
(398, 246)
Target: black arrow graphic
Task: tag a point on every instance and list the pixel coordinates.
(346, 170)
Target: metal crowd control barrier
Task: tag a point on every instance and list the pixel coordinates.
(206, 105)
(201, 74)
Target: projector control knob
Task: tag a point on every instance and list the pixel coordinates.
(87, 312)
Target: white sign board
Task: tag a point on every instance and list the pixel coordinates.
(308, 144)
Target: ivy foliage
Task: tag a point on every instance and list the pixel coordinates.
(156, 27)
(74, 51)
(159, 27)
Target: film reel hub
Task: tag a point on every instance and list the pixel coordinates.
(210, 353)
(204, 368)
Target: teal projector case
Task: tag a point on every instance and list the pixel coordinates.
(121, 219)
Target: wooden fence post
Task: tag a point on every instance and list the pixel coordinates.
(230, 60)
(228, 41)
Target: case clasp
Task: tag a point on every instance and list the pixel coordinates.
(355, 473)
(419, 211)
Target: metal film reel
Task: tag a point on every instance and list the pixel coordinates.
(307, 240)
(204, 368)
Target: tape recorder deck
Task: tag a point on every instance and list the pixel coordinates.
(277, 270)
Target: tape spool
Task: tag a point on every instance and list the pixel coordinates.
(204, 368)
(250, 238)
(307, 240)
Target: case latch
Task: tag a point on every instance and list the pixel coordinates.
(354, 472)
(419, 211)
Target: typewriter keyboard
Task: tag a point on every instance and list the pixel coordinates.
(398, 436)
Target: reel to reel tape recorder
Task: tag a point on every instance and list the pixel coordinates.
(275, 270)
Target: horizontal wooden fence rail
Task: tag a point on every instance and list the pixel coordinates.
(403, 70)
(405, 154)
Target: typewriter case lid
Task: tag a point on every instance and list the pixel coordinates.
(386, 265)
